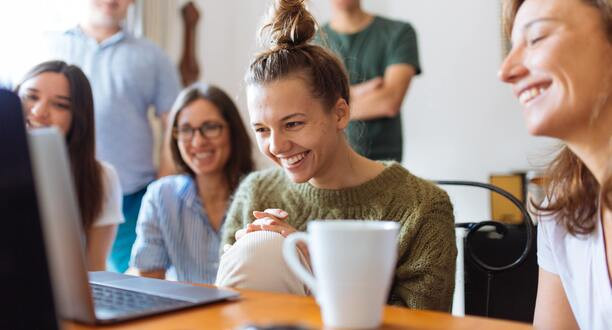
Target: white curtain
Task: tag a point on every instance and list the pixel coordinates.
(153, 19)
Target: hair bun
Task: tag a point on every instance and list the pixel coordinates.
(290, 25)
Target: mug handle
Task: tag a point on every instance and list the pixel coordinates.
(290, 253)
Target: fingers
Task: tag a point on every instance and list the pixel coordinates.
(283, 230)
(267, 221)
(277, 213)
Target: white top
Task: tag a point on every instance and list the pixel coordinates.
(113, 198)
(580, 262)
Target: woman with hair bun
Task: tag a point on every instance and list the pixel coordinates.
(298, 100)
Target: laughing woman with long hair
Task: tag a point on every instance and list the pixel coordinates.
(560, 67)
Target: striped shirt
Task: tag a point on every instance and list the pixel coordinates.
(173, 231)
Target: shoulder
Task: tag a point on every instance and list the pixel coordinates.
(417, 201)
(270, 176)
(417, 189)
(111, 213)
(109, 176)
(328, 32)
(146, 47)
(392, 25)
(262, 186)
(553, 232)
(170, 185)
(74, 33)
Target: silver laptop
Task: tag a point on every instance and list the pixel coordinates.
(97, 297)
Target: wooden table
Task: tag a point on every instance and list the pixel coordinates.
(264, 308)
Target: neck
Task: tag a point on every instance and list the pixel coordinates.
(100, 33)
(346, 169)
(212, 188)
(350, 20)
(594, 145)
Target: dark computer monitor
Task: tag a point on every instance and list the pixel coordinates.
(25, 285)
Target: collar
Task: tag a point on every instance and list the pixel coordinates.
(188, 192)
(112, 40)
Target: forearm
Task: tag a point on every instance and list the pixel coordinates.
(99, 242)
(166, 165)
(155, 273)
(379, 103)
(385, 100)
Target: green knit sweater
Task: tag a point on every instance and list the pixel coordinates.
(425, 273)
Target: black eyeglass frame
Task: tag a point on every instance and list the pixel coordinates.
(208, 130)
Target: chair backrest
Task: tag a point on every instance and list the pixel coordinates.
(493, 277)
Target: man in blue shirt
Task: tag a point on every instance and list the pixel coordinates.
(128, 75)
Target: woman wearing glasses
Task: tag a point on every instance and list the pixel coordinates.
(181, 216)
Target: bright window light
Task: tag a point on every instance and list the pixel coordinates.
(25, 29)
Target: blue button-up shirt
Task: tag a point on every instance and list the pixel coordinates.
(173, 231)
(127, 75)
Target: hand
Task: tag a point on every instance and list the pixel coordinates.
(271, 220)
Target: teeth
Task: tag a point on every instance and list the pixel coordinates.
(202, 155)
(530, 94)
(294, 159)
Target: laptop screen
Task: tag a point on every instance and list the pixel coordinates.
(24, 274)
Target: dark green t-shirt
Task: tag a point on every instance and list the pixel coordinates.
(366, 54)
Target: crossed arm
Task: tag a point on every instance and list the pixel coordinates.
(381, 97)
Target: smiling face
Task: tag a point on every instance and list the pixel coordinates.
(46, 101)
(294, 129)
(560, 66)
(204, 155)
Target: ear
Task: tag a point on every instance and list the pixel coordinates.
(342, 114)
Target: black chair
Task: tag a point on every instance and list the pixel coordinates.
(500, 263)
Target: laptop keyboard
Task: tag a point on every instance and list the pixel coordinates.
(123, 301)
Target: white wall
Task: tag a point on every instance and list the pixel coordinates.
(460, 122)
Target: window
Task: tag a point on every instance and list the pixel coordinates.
(25, 27)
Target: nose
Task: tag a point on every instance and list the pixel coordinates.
(198, 138)
(278, 143)
(512, 68)
(40, 109)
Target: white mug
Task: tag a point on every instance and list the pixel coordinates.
(353, 263)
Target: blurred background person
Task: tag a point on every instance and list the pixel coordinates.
(56, 94)
(128, 75)
(180, 221)
(381, 56)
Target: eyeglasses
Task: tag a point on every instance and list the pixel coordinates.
(209, 130)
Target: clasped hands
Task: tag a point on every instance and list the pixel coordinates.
(269, 220)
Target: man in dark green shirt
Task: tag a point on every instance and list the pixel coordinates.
(381, 57)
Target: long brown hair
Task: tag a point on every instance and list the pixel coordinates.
(80, 139)
(571, 189)
(286, 37)
(240, 162)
